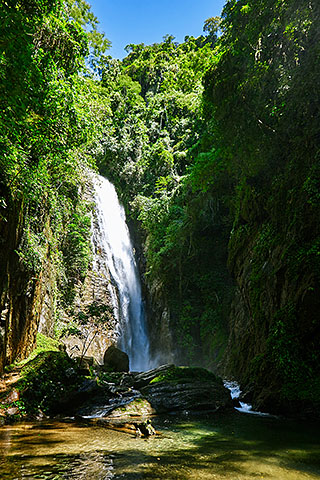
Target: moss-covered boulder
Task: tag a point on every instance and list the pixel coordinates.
(187, 389)
(47, 381)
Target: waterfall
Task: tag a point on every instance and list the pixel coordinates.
(126, 297)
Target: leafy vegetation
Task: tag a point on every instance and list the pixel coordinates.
(262, 100)
(152, 153)
(46, 381)
(213, 145)
(48, 129)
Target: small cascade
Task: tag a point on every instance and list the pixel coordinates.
(235, 392)
(126, 297)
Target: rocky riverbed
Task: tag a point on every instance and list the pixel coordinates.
(54, 385)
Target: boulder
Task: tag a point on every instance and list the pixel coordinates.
(138, 407)
(187, 389)
(116, 360)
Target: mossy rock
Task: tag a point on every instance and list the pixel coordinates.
(187, 389)
(186, 375)
(47, 380)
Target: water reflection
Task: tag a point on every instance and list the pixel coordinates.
(226, 447)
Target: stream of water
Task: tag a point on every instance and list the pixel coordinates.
(230, 446)
(127, 300)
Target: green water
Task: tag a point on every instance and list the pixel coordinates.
(233, 446)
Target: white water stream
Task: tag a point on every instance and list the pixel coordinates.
(235, 392)
(126, 297)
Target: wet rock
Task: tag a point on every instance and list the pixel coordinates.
(69, 402)
(13, 396)
(88, 386)
(145, 429)
(116, 360)
(85, 364)
(12, 411)
(236, 403)
(137, 428)
(247, 396)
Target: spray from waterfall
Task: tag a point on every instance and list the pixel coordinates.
(126, 297)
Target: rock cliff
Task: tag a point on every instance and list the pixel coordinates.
(274, 327)
(21, 291)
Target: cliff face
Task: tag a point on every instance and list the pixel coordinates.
(94, 290)
(161, 331)
(32, 300)
(158, 312)
(274, 324)
(21, 293)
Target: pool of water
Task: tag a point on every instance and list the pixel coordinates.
(230, 446)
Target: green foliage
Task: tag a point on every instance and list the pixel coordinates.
(44, 344)
(51, 118)
(214, 147)
(76, 249)
(153, 154)
(80, 12)
(216, 153)
(110, 377)
(260, 102)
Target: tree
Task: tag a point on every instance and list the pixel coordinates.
(80, 11)
(211, 27)
(93, 320)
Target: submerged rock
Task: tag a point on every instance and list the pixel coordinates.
(137, 407)
(116, 360)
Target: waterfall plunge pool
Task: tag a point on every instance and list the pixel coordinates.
(227, 446)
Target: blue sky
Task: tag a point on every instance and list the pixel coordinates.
(147, 21)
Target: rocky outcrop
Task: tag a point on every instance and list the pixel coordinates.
(160, 329)
(139, 407)
(158, 314)
(143, 379)
(21, 291)
(52, 383)
(161, 390)
(274, 327)
(196, 396)
(187, 389)
(95, 289)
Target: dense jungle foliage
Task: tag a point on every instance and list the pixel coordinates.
(46, 131)
(213, 145)
(152, 153)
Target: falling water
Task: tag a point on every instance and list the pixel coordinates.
(127, 301)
